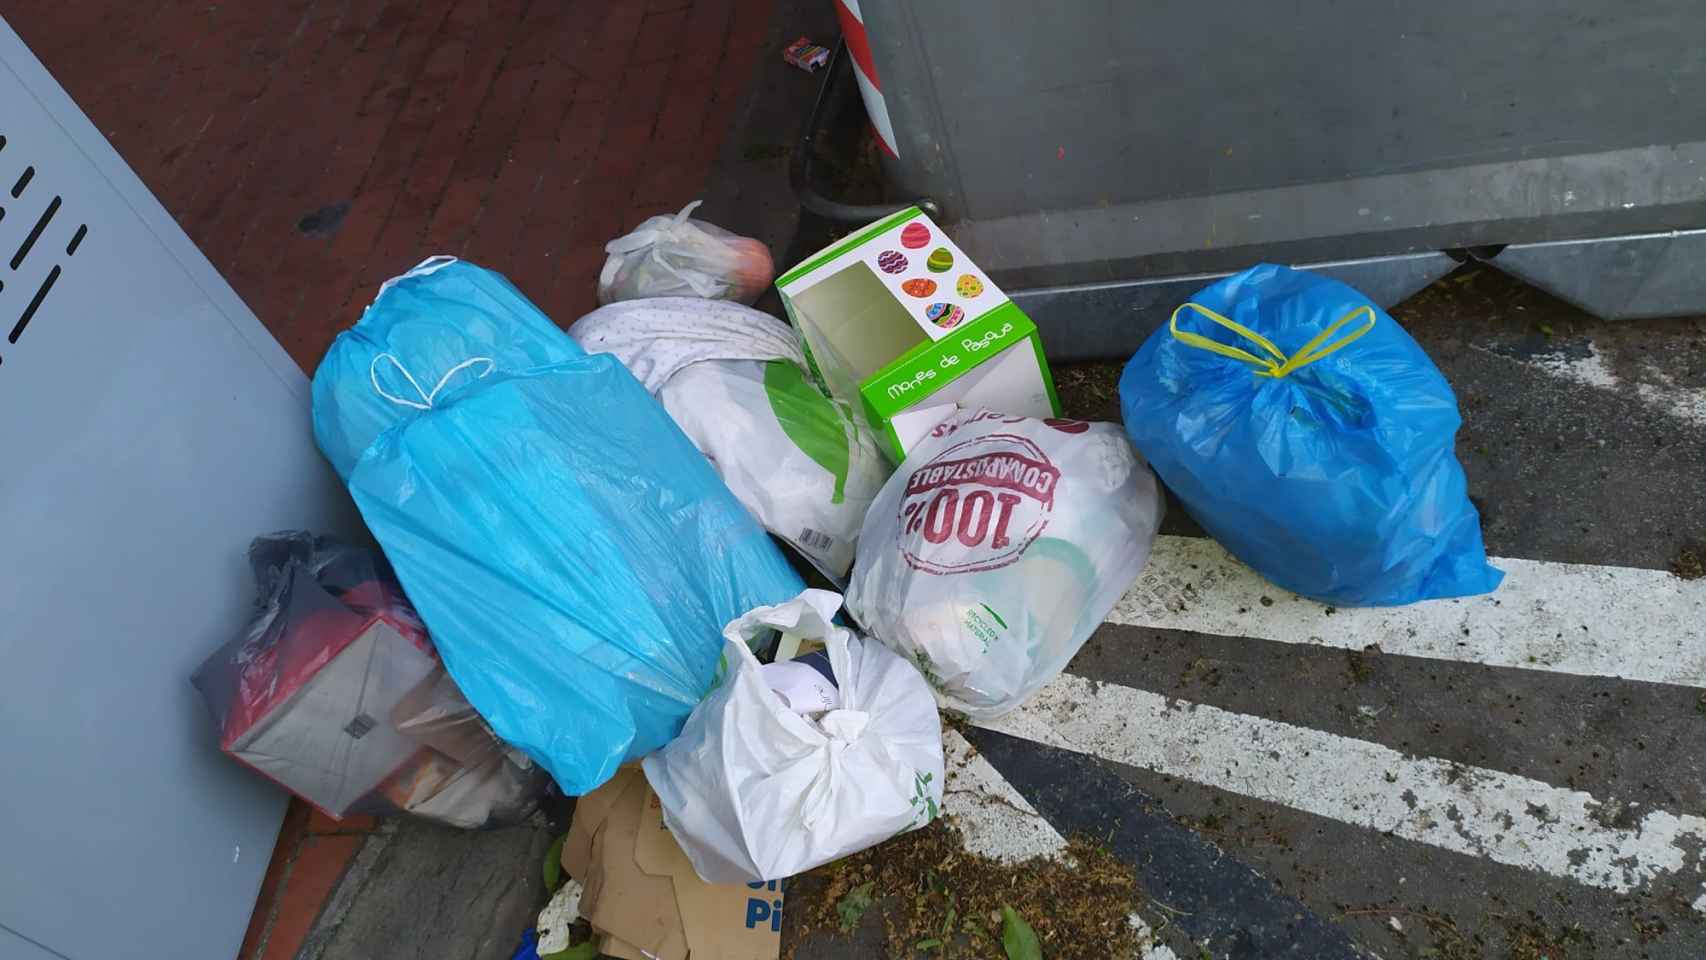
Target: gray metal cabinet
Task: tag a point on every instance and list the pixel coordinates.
(149, 427)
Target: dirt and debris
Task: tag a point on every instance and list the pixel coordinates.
(1089, 391)
(1447, 941)
(1216, 827)
(1530, 940)
(1360, 665)
(852, 170)
(760, 152)
(1201, 671)
(930, 897)
(1687, 565)
(1438, 936)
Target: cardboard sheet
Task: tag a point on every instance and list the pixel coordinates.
(642, 896)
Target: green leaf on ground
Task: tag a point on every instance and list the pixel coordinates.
(932, 943)
(580, 951)
(554, 865)
(852, 907)
(1017, 937)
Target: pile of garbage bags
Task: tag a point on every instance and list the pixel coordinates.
(590, 529)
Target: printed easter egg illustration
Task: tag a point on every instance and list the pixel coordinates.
(941, 261)
(919, 287)
(891, 261)
(944, 315)
(968, 286)
(914, 236)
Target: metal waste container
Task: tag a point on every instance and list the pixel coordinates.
(1102, 158)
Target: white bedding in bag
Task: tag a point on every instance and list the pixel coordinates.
(734, 380)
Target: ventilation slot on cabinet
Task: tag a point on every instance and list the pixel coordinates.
(39, 235)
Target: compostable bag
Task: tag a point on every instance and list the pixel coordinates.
(998, 547)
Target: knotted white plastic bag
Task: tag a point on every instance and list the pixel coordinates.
(673, 256)
(754, 791)
(998, 547)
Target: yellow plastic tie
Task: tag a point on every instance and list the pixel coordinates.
(1279, 365)
(1215, 346)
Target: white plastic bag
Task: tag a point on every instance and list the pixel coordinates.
(672, 256)
(734, 380)
(754, 791)
(998, 547)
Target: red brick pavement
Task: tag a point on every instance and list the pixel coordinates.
(312, 853)
(521, 134)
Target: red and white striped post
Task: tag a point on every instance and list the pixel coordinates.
(865, 70)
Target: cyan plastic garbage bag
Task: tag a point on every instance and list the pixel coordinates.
(1310, 435)
(572, 553)
(441, 313)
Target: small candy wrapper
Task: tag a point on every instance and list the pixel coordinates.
(806, 55)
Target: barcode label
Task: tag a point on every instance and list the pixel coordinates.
(816, 539)
(360, 726)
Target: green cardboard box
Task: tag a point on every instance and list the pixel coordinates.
(902, 326)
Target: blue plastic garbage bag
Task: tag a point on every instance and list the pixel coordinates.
(1309, 434)
(529, 949)
(573, 555)
(442, 313)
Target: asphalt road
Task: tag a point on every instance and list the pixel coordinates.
(1516, 776)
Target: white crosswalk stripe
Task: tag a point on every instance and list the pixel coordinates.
(1487, 813)
(1568, 618)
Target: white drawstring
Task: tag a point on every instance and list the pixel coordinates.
(425, 402)
(426, 267)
